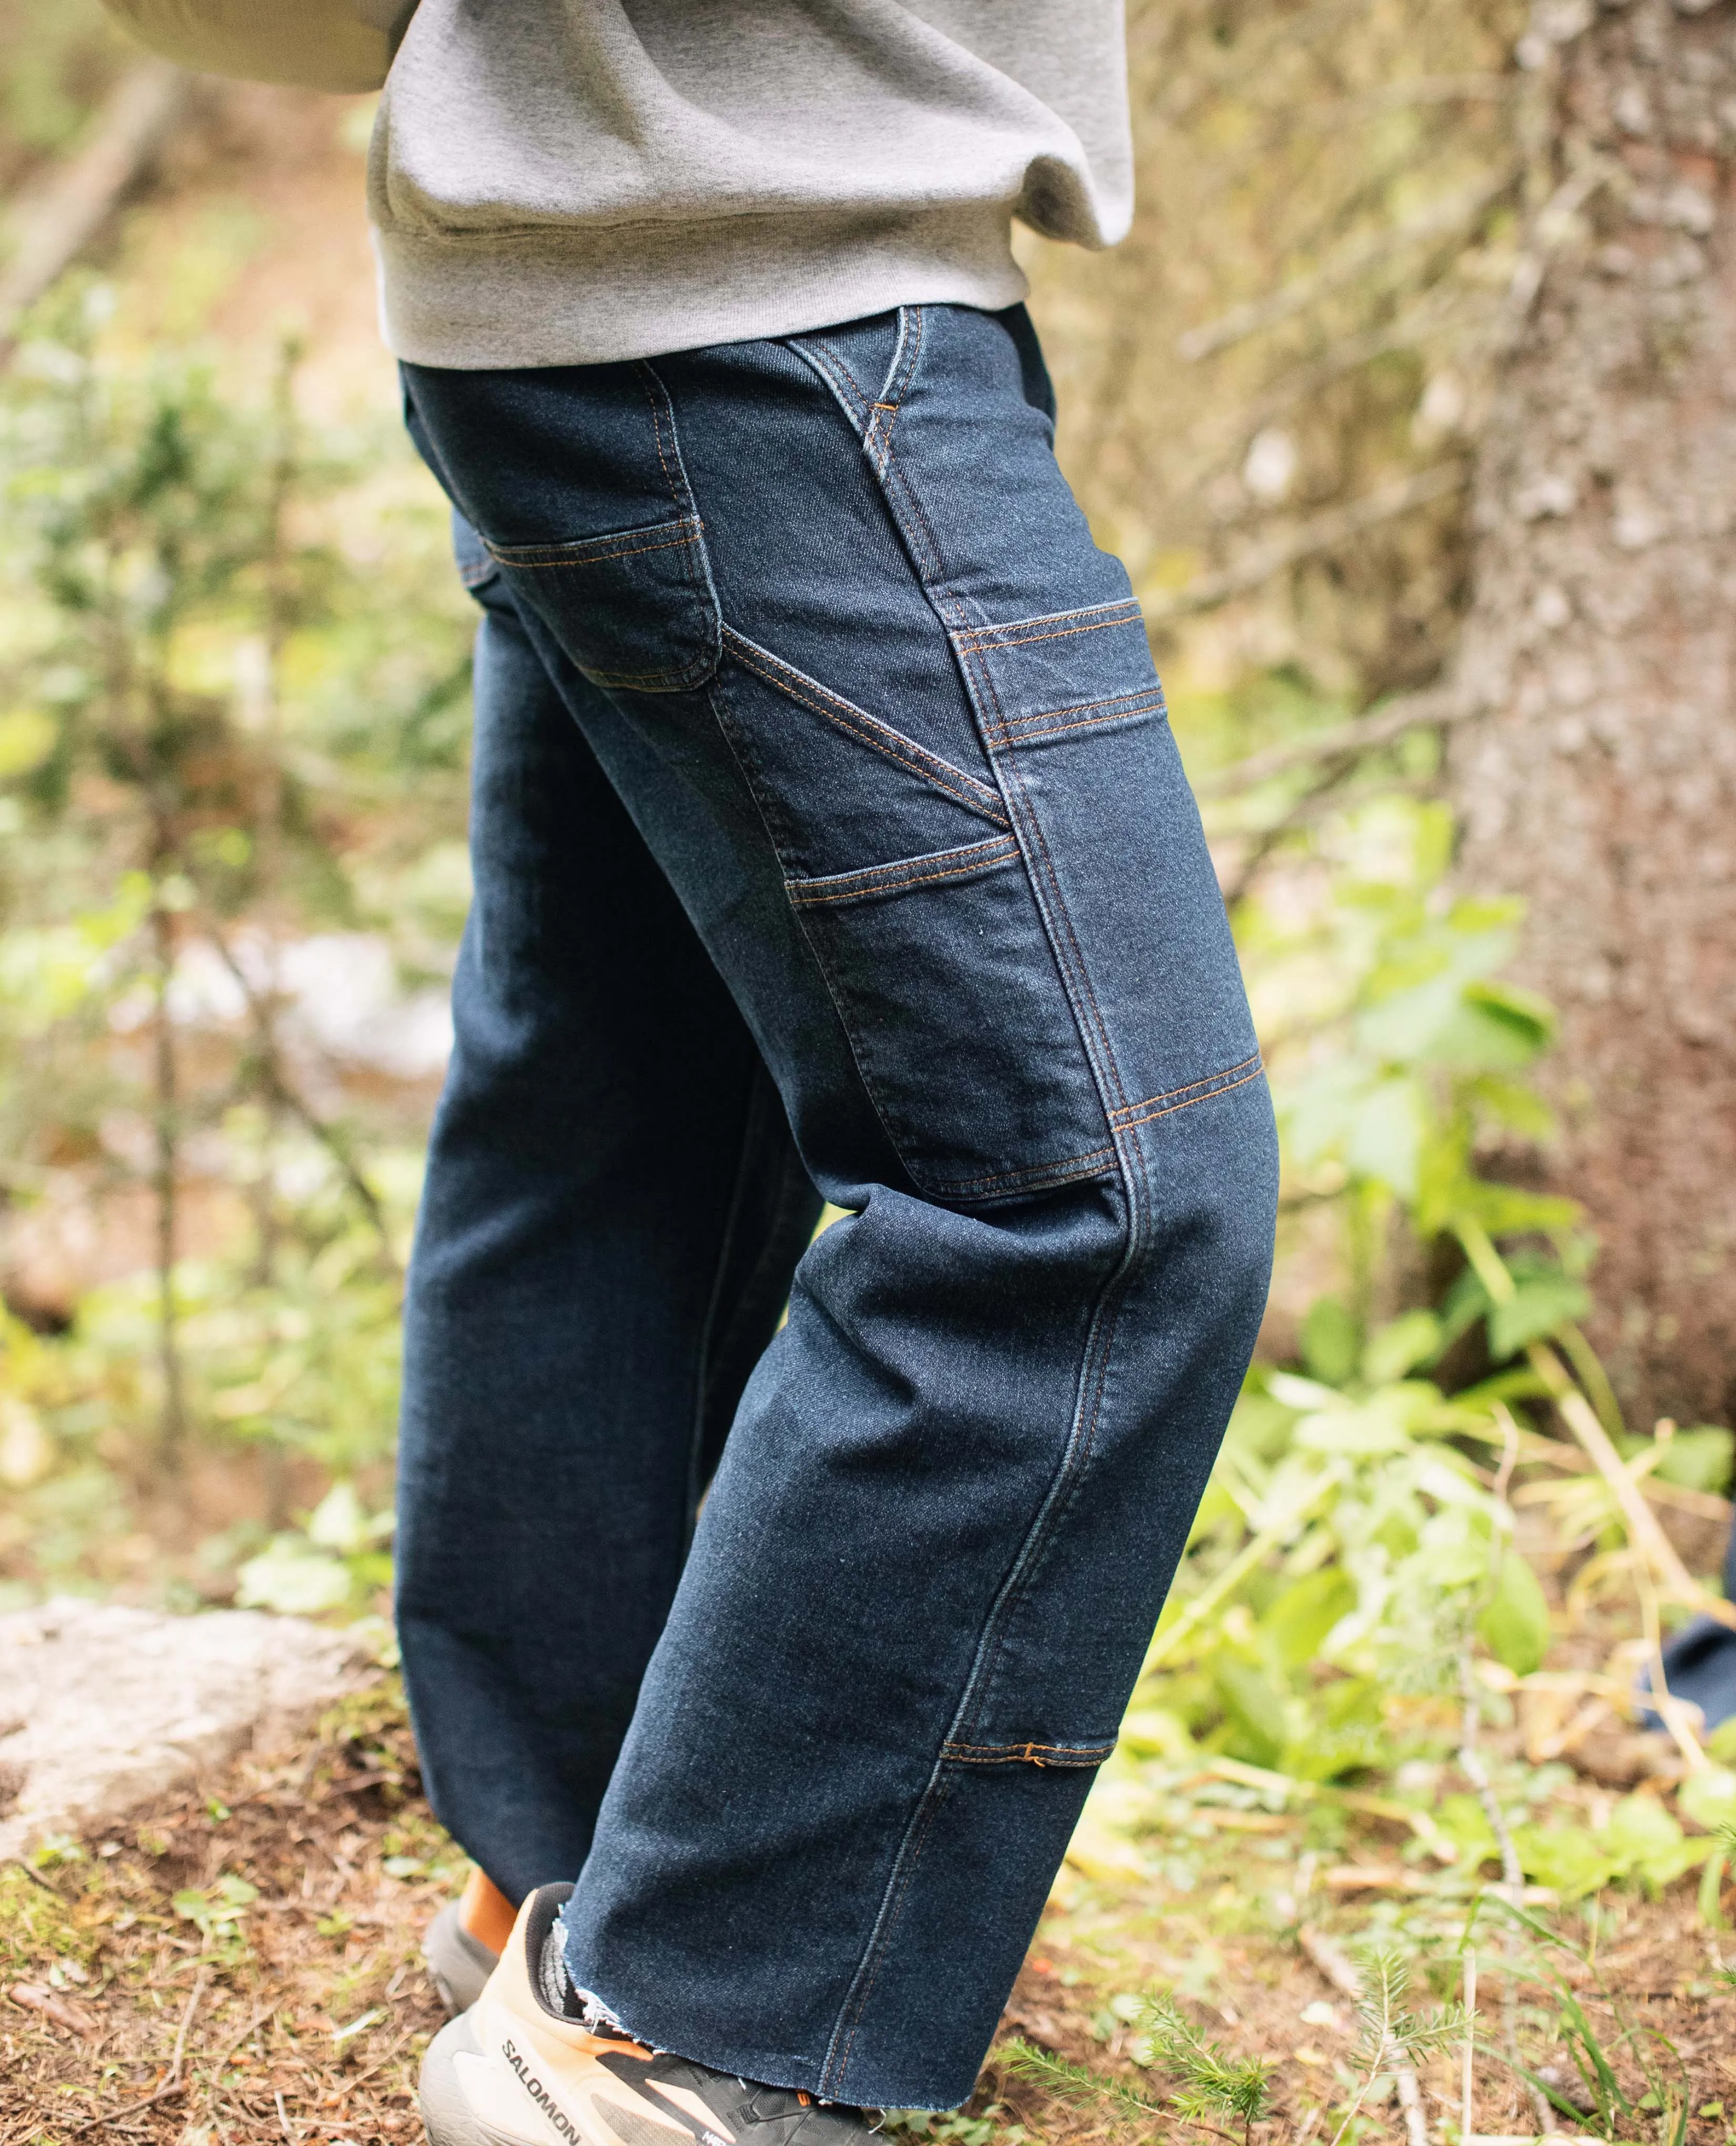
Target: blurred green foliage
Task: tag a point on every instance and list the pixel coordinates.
(233, 728)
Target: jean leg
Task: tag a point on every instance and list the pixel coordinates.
(612, 1211)
(887, 720)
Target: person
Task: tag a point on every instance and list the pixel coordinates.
(768, 1599)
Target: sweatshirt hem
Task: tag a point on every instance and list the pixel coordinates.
(609, 294)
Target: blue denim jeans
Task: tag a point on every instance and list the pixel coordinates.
(829, 834)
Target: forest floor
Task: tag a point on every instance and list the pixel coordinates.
(241, 1962)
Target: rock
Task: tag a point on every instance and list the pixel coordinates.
(103, 1709)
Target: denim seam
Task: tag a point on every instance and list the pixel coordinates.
(1018, 1179)
(991, 636)
(856, 392)
(1131, 1161)
(1170, 1109)
(978, 857)
(1041, 1177)
(1032, 728)
(866, 729)
(1093, 1367)
(852, 396)
(694, 563)
(904, 1871)
(901, 371)
(653, 387)
(1035, 735)
(1187, 1087)
(503, 555)
(821, 357)
(1034, 1754)
(756, 790)
(1143, 697)
(981, 648)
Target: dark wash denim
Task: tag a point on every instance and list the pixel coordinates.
(829, 833)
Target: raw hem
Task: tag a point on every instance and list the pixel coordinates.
(480, 304)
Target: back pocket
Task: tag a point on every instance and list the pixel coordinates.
(960, 1026)
(635, 610)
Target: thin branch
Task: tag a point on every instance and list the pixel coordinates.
(1439, 221)
(54, 224)
(1438, 704)
(285, 1092)
(1321, 532)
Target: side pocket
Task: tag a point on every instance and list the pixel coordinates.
(959, 1020)
(634, 609)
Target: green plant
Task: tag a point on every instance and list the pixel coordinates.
(1216, 2088)
(218, 1912)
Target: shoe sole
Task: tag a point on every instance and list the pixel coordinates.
(448, 2117)
(458, 1965)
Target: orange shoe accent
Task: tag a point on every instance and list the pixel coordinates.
(485, 1912)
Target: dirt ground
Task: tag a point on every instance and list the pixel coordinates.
(241, 1962)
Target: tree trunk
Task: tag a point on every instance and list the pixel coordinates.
(1601, 784)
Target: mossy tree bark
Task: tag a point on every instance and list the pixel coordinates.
(1601, 782)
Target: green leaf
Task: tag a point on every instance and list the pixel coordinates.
(1698, 1459)
(1541, 1304)
(293, 1579)
(1515, 1626)
(1647, 1843)
(1256, 1710)
(1305, 1612)
(1386, 1138)
(1330, 1342)
(1710, 1797)
(1567, 1858)
(1399, 1346)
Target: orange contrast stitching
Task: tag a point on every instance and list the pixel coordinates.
(1030, 640)
(1172, 1108)
(1188, 1087)
(1122, 612)
(1036, 1754)
(656, 419)
(1032, 726)
(880, 736)
(1153, 691)
(982, 856)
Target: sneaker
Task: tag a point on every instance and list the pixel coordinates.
(464, 1942)
(519, 2069)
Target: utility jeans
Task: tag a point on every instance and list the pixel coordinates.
(828, 833)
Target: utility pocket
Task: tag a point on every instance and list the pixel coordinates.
(1047, 679)
(959, 1020)
(635, 610)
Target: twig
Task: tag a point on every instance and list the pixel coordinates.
(56, 223)
(252, 2026)
(1321, 532)
(167, 2092)
(187, 2020)
(1438, 704)
(34, 1875)
(1436, 221)
(1512, 1887)
(1644, 1530)
(283, 1090)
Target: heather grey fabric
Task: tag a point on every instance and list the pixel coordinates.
(570, 181)
(565, 182)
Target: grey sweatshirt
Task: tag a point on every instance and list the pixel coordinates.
(564, 182)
